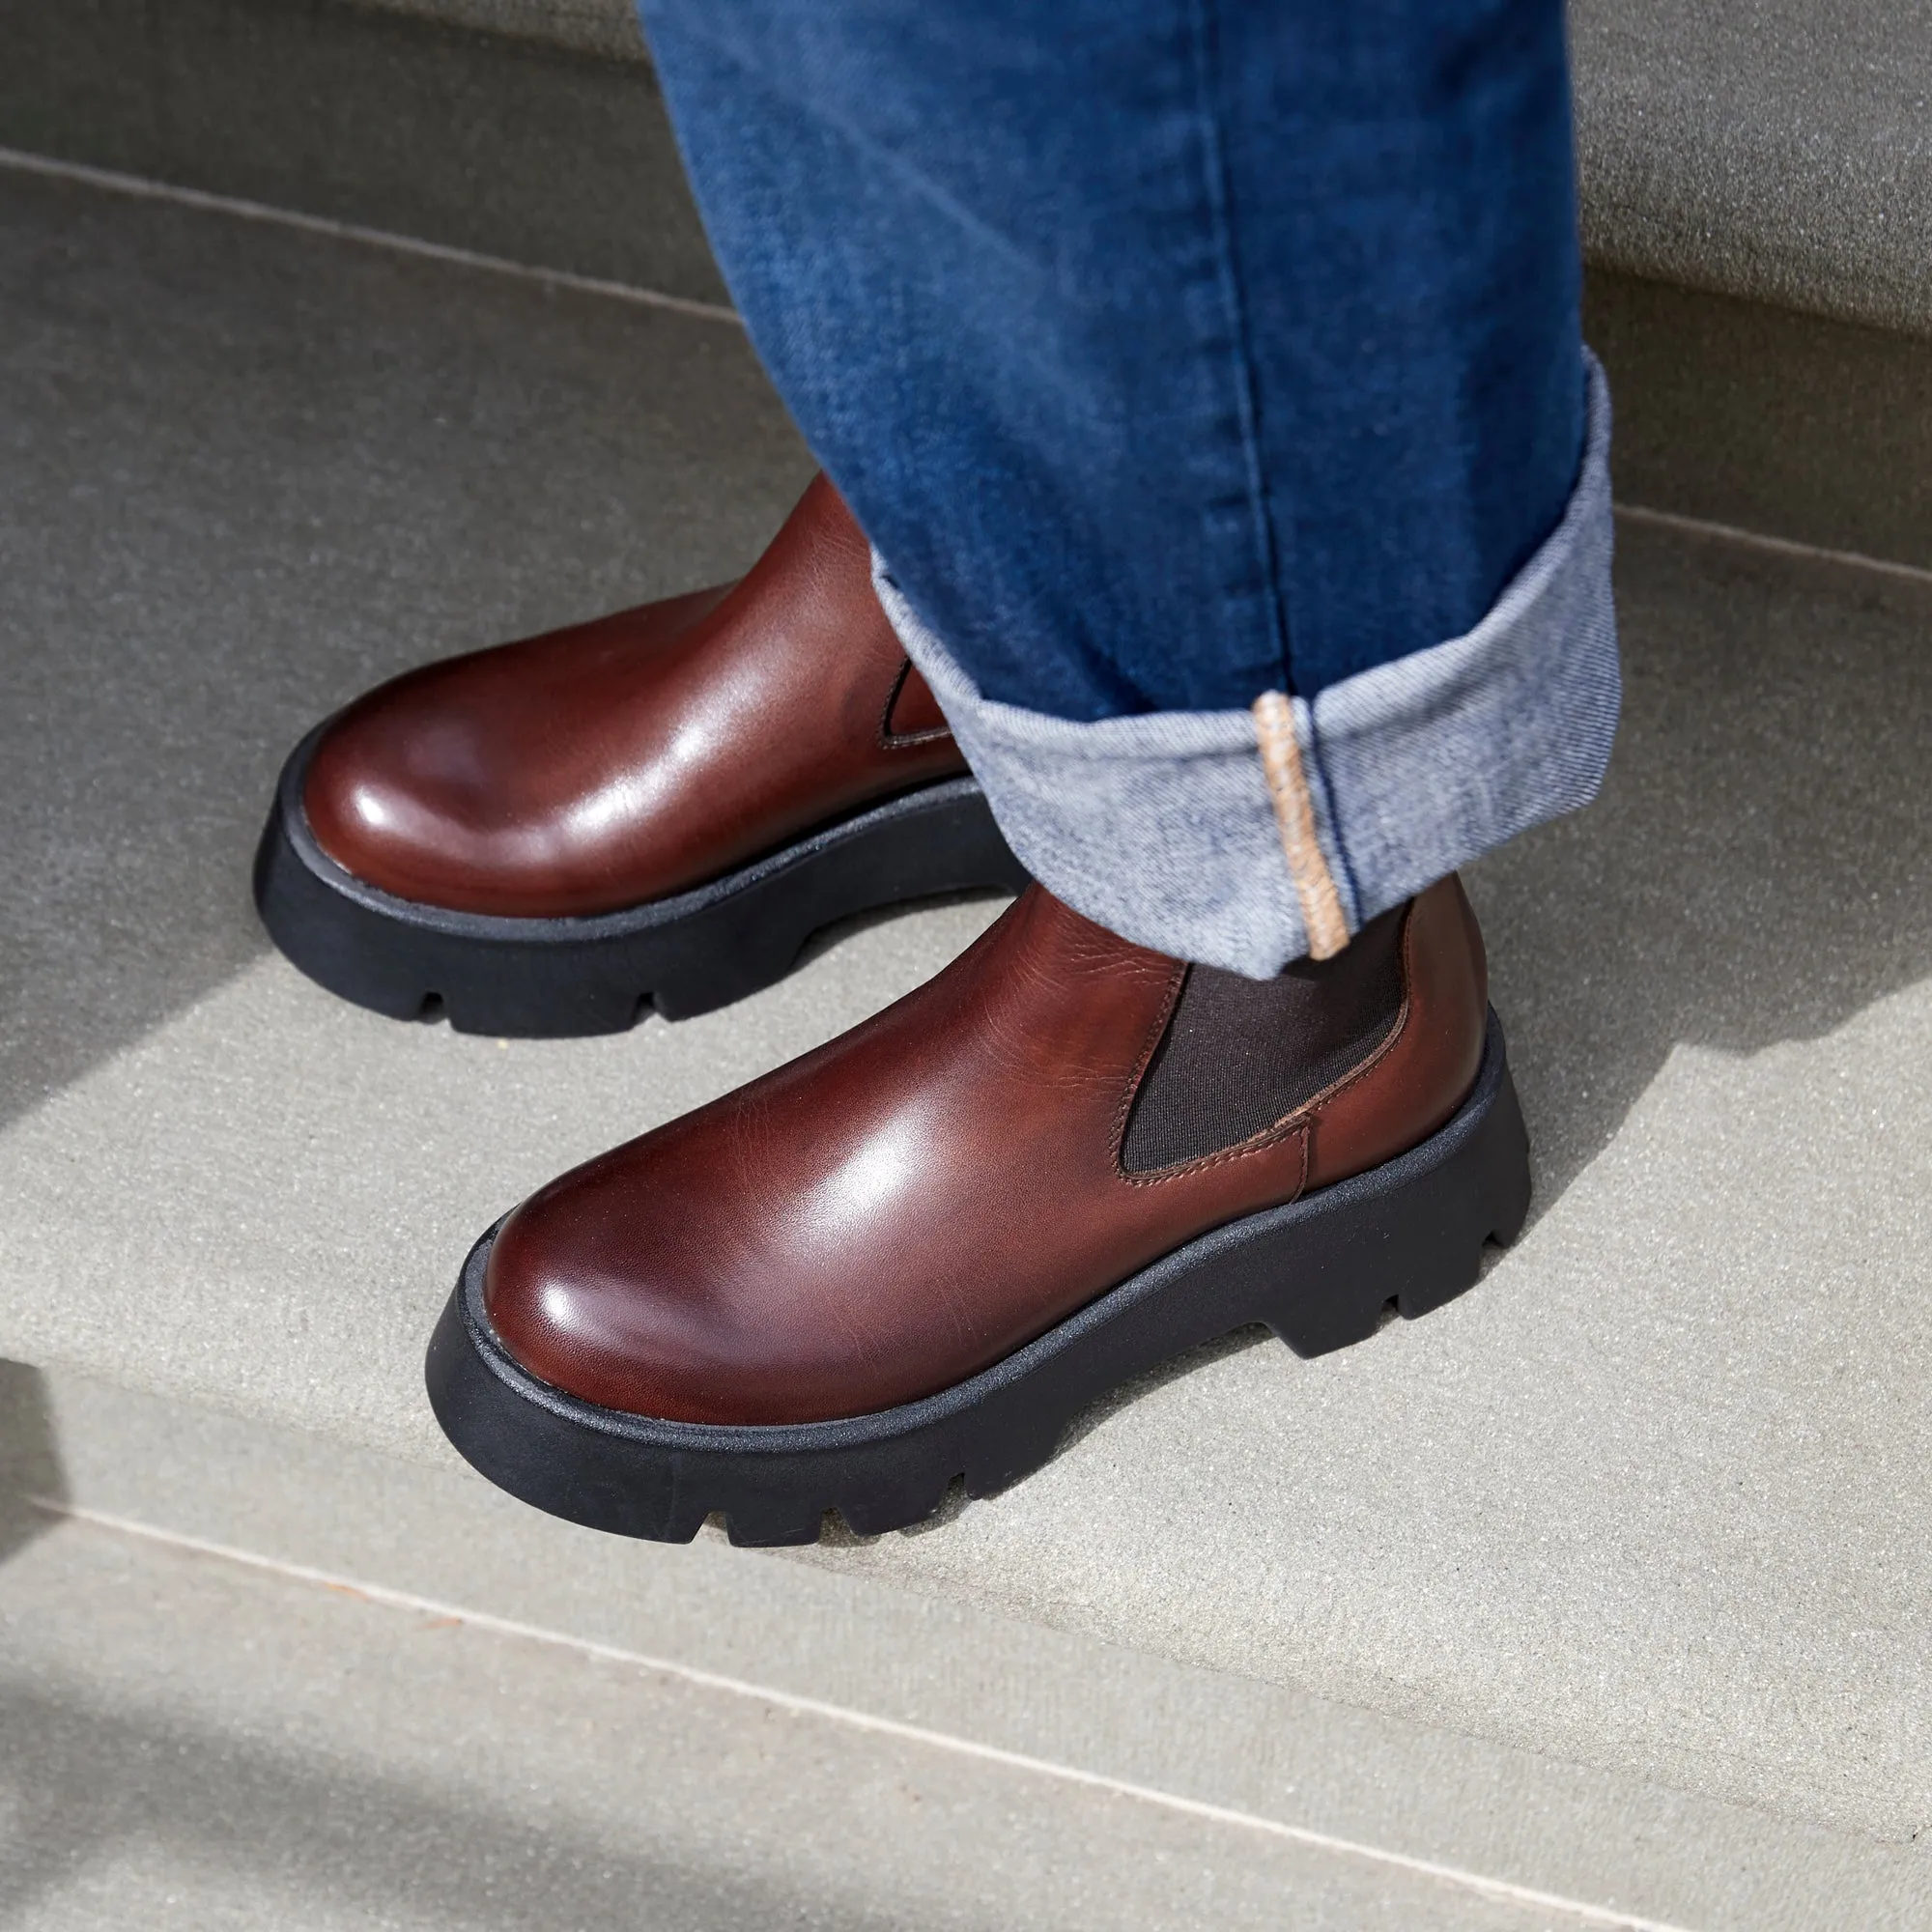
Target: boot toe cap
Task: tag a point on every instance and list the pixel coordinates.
(590, 1298)
(428, 795)
(378, 795)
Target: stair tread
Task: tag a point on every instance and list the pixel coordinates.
(606, 27)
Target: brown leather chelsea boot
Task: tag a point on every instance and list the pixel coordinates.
(916, 1253)
(663, 804)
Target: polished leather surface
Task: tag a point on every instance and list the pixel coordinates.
(618, 761)
(907, 1205)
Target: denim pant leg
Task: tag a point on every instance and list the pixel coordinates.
(1175, 352)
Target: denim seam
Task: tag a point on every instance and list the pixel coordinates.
(1239, 346)
(1332, 856)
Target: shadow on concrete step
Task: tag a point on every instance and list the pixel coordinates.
(1758, 868)
(83, 1790)
(29, 1464)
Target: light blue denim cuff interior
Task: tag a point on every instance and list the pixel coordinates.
(1161, 827)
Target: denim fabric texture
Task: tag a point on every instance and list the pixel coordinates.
(1175, 351)
(1172, 350)
(1161, 827)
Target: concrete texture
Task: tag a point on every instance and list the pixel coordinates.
(1771, 149)
(1775, 150)
(1650, 1499)
(509, 147)
(187, 1742)
(1394, 1790)
(243, 479)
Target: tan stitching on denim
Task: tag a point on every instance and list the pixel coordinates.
(1322, 913)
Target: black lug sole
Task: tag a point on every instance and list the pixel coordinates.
(564, 978)
(1320, 1272)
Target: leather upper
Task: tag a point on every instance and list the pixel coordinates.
(903, 1207)
(621, 760)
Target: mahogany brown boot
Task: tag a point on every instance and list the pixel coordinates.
(660, 804)
(914, 1254)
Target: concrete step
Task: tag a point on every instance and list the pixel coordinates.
(1649, 1502)
(188, 1741)
(532, 149)
(249, 1675)
(605, 27)
(1645, 1507)
(1772, 150)
(197, 1743)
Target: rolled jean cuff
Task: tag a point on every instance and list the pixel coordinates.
(1164, 826)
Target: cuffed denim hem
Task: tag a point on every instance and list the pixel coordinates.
(1163, 827)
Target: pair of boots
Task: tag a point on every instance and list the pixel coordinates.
(914, 1254)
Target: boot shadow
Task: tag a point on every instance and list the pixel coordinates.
(1758, 867)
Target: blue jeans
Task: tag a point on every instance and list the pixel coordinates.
(1176, 353)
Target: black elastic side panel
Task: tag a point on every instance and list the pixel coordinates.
(1239, 1054)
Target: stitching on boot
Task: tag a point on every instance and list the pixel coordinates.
(1313, 1106)
(1303, 1117)
(1290, 1125)
(1321, 914)
(1177, 978)
(893, 741)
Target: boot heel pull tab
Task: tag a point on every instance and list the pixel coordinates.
(1322, 913)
